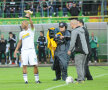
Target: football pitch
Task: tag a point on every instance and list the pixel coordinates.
(12, 79)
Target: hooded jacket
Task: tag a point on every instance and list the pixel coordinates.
(78, 42)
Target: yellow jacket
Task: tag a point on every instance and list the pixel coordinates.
(51, 43)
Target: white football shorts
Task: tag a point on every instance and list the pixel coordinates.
(29, 57)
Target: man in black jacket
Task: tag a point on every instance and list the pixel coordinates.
(42, 41)
(12, 44)
(87, 72)
(74, 10)
(3, 43)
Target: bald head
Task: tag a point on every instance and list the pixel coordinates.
(25, 25)
(74, 23)
(92, 34)
(2, 36)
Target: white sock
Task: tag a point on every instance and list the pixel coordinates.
(36, 77)
(25, 77)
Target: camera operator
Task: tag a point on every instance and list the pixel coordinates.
(61, 58)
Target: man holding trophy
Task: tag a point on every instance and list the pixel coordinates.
(26, 38)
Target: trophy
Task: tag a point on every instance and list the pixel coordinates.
(28, 13)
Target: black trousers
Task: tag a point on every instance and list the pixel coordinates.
(94, 54)
(87, 71)
(42, 52)
(59, 70)
(2, 53)
(11, 53)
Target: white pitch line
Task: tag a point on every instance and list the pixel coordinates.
(67, 84)
(56, 87)
(100, 75)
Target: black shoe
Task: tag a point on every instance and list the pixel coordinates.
(89, 78)
(56, 79)
(75, 79)
(26, 82)
(38, 82)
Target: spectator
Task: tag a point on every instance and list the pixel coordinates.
(42, 41)
(0, 9)
(80, 4)
(57, 7)
(64, 8)
(44, 7)
(94, 7)
(69, 5)
(105, 7)
(93, 44)
(12, 8)
(12, 44)
(74, 10)
(3, 43)
(21, 8)
(5, 8)
(37, 5)
(31, 6)
(50, 7)
(86, 8)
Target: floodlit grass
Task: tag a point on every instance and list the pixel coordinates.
(12, 79)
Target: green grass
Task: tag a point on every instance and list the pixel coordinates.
(11, 79)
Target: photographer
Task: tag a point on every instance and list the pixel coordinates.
(61, 58)
(3, 43)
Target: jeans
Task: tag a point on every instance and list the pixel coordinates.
(21, 12)
(13, 13)
(56, 11)
(64, 11)
(33, 9)
(105, 7)
(43, 11)
(0, 13)
(7, 13)
(51, 10)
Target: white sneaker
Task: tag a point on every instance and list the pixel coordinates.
(54, 13)
(10, 62)
(16, 62)
(20, 17)
(65, 15)
(95, 61)
(89, 61)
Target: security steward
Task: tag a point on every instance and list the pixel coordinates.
(42, 42)
(61, 57)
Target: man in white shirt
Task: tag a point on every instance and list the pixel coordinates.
(26, 38)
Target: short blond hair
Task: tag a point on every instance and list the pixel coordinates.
(74, 21)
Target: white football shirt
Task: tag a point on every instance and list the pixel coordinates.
(27, 37)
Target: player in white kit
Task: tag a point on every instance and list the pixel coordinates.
(26, 38)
